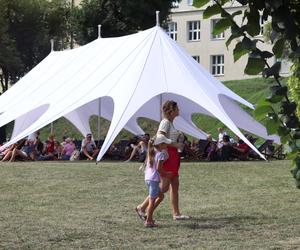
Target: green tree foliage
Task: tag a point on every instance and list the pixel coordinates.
(294, 86)
(9, 56)
(117, 17)
(26, 27)
(277, 110)
(294, 80)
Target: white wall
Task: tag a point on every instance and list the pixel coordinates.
(207, 46)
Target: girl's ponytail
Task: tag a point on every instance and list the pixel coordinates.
(151, 152)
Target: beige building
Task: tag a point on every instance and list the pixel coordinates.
(76, 2)
(194, 33)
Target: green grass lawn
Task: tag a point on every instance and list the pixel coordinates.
(81, 205)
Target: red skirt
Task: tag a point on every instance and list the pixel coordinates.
(172, 164)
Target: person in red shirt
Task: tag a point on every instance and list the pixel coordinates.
(48, 151)
(241, 150)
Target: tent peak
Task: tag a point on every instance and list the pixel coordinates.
(99, 30)
(52, 44)
(157, 18)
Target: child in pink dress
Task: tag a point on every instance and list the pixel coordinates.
(156, 155)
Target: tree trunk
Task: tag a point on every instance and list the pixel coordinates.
(6, 79)
(2, 83)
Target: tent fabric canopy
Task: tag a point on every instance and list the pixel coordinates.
(123, 79)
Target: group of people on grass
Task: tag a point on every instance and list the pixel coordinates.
(225, 148)
(135, 149)
(33, 149)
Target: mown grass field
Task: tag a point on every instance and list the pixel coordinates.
(81, 205)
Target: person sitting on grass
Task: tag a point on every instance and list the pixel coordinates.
(68, 149)
(6, 154)
(48, 151)
(156, 156)
(241, 150)
(27, 152)
(225, 152)
(140, 149)
(220, 137)
(89, 149)
(211, 148)
(57, 150)
(186, 152)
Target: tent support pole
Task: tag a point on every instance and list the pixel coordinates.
(99, 117)
(160, 106)
(51, 128)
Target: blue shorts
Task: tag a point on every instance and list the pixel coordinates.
(154, 189)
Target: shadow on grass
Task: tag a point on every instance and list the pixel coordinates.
(221, 222)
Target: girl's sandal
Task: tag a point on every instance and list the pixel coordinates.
(141, 214)
(150, 224)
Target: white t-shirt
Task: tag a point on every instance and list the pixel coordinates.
(220, 140)
(221, 136)
(90, 145)
(167, 127)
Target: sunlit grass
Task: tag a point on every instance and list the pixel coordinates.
(81, 205)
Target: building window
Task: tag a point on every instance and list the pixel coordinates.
(194, 30)
(217, 65)
(175, 4)
(219, 36)
(172, 30)
(261, 24)
(197, 58)
(190, 2)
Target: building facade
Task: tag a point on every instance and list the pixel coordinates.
(194, 33)
(76, 2)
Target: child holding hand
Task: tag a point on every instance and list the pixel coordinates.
(156, 155)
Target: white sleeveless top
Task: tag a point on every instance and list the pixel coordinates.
(167, 127)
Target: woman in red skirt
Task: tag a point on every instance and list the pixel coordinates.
(169, 176)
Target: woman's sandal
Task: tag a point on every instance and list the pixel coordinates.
(181, 217)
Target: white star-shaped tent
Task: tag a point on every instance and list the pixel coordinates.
(123, 79)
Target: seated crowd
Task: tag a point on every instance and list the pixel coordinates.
(34, 149)
(225, 149)
(135, 149)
